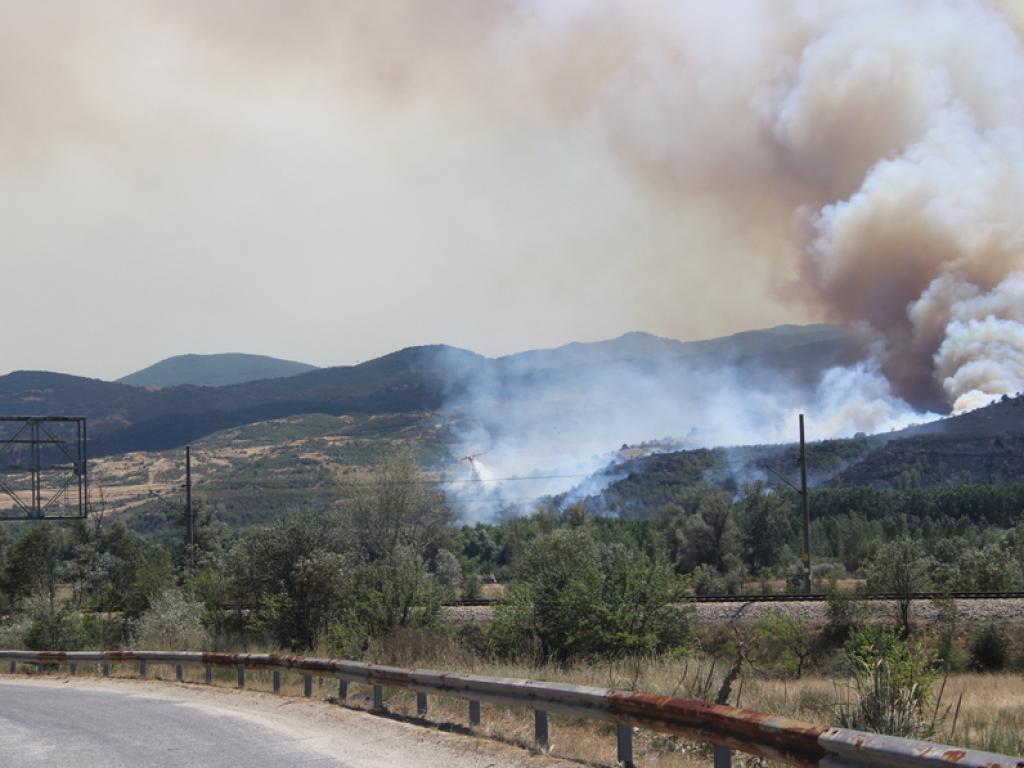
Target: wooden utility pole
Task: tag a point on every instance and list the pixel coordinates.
(805, 498)
(190, 520)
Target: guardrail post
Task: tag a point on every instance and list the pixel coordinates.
(474, 712)
(72, 669)
(378, 697)
(277, 681)
(625, 746)
(421, 704)
(723, 757)
(14, 667)
(179, 673)
(209, 676)
(241, 677)
(540, 728)
(106, 668)
(142, 669)
(307, 686)
(343, 689)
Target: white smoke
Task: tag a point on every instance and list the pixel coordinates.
(555, 430)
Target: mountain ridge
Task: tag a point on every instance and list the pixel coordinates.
(413, 379)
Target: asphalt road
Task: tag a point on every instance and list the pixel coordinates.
(54, 727)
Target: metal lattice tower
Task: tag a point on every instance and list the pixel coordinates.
(43, 468)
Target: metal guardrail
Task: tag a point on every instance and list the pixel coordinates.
(786, 597)
(728, 728)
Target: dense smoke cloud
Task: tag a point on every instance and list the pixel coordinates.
(893, 130)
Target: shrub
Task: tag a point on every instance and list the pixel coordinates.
(448, 572)
(892, 682)
(378, 598)
(12, 632)
(990, 648)
(51, 626)
(577, 599)
(173, 621)
(706, 580)
(948, 654)
(845, 615)
(780, 643)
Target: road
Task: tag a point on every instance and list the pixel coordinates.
(47, 723)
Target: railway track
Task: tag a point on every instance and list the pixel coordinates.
(804, 598)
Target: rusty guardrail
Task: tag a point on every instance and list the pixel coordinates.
(728, 728)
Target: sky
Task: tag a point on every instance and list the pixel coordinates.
(331, 181)
(175, 181)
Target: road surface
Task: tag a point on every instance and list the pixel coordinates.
(48, 723)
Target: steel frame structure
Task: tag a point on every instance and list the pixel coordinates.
(50, 454)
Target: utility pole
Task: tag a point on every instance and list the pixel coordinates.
(188, 503)
(805, 498)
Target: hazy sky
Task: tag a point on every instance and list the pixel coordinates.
(175, 179)
(329, 181)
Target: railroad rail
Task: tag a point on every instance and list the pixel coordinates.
(727, 728)
(820, 597)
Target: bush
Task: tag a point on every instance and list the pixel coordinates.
(948, 654)
(51, 626)
(378, 598)
(780, 644)
(990, 649)
(892, 683)
(706, 580)
(172, 622)
(577, 599)
(12, 633)
(845, 615)
(448, 572)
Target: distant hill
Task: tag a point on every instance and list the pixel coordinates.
(798, 349)
(213, 370)
(413, 380)
(126, 418)
(983, 447)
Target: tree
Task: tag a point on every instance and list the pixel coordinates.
(699, 529)
(901, 568)
(381, 597)
(33, 562)
(397, 510)
(276, 570)
(765, 522)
